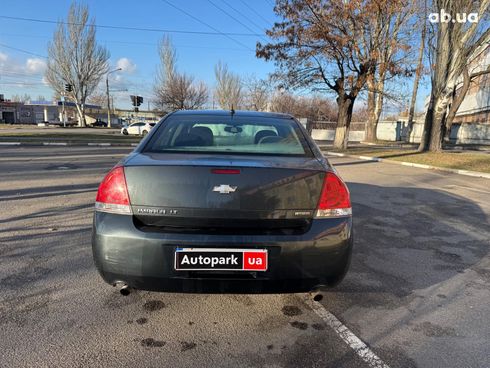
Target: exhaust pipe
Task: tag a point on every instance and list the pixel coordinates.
(317, 297)
(125, 290)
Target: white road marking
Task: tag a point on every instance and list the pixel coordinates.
(369, 158)
(360, 348)
(476, 174)
(9, 143)
(99, 144)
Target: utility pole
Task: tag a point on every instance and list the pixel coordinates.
(63, 110)
(108, 97)
(108, 101)
(68, 88)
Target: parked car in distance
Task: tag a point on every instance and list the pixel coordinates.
(223, 201)
(139, 128)
(99, 123)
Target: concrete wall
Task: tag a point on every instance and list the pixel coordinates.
(471, 134)
(328, 135)
(387, 130)
(397, 131)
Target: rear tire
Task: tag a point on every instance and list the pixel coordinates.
(125, 132)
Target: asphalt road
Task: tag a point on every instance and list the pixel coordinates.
(418, 293)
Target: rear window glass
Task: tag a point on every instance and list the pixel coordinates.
(224, 134)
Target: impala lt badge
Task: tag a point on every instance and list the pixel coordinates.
(224, 189)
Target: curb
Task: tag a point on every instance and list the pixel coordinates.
(411, 164)
(91, 144)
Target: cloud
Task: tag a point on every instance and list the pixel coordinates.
(35, 66)
(17, 73)
(126, 65)
(32, 66)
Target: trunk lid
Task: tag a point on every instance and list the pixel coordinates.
(182, 190)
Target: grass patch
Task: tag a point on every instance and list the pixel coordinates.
(449, 159)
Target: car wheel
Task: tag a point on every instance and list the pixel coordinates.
(144, 133)
(125, 132)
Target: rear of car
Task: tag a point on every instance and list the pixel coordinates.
(223, 202)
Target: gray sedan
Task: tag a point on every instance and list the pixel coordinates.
(223, 201)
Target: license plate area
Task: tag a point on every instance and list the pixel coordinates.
(217, 259)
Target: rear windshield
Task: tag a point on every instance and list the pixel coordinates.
(224, 134)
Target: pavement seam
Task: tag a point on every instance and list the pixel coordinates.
(412, 164)
(354, 342)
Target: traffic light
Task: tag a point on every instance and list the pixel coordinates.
(136, 109)
(68, 87)
(136, 100)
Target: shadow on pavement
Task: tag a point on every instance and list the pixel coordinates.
(407, 239)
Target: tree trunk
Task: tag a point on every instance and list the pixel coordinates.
(344, 117)
(424, 139)
(370, 129)
(418, 73)
(375, 106)
(438, 122)
(457, 100)
(81, 114)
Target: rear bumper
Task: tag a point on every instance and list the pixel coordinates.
(144, 260)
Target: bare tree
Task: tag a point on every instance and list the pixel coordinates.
(418, 73)
(471, 72)
(228, 90)
(315, 108)
(19, 98)
(390, 30)
(75, 58)
(452, 42)
(328, 46)
(174, 90)
(98, 98)
(258, 93)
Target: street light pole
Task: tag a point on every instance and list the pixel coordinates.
(108, 97)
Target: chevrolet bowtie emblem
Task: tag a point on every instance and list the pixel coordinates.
(224, 189)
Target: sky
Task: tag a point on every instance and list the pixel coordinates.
(23, 43)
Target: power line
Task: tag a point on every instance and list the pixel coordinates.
(160, 30)
(256, 12)
(23, 84)
(134, 43)
(270, 2)
(206, 24)
(231, 16)
(21, 50)
(19, 72)
(243, 15)
(26, 77)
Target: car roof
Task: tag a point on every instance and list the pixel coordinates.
(238, 113)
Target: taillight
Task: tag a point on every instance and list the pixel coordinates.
(112, 195)
(335, 199)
